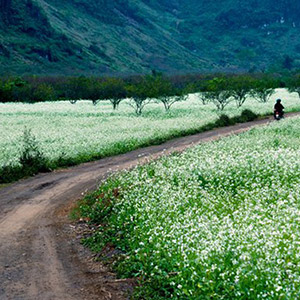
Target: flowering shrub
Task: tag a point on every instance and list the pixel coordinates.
(219, 221)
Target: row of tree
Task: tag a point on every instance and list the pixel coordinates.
(223, 90)
(220, 90)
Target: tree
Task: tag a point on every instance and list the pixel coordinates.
(166, 93)
(114, 90)
(218, 92)
(263, 89)
(200, 88)
(43, 92)
(141, 93)
(294, 85)
(10, 88)
(241, 87)
(93, 90)
(204, 97)
(74, 88)
(83, 88)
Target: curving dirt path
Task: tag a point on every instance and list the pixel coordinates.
(40, 252)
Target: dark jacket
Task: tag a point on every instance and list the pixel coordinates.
(278, 107)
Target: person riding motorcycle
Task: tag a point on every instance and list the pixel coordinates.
(278, 110)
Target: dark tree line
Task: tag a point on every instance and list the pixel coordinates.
(217, 89)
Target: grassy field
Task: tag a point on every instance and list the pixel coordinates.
(83, 132)
(219, 221)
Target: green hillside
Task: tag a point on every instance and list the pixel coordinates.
(134, 36)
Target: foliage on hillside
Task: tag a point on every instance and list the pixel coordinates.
(126, 36)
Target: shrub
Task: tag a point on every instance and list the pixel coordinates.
(31, 160)
(248, 115)
(223, 121)
(10, 173)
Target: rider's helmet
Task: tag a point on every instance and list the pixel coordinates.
(278, 100)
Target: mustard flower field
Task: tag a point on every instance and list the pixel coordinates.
(84, 132)
(219, 221)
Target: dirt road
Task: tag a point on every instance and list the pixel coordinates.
(40, 253)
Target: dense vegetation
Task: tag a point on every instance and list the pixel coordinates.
(219, 221)
(50, 37)
(91, 132)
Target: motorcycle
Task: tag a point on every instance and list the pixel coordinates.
(278, 115)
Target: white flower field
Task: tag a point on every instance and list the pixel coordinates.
(82, 132)
(219, 221)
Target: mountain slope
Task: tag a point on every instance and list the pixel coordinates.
(135, 36)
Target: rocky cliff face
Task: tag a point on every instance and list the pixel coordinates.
(129, 36)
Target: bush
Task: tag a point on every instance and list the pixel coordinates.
(223, 121)
(248, 115)
(9, 88)
(10, 173)
(31, 160)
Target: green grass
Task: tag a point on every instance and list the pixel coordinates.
(219, 221)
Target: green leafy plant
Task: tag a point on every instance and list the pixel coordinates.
(30, 162)
(31, 159)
